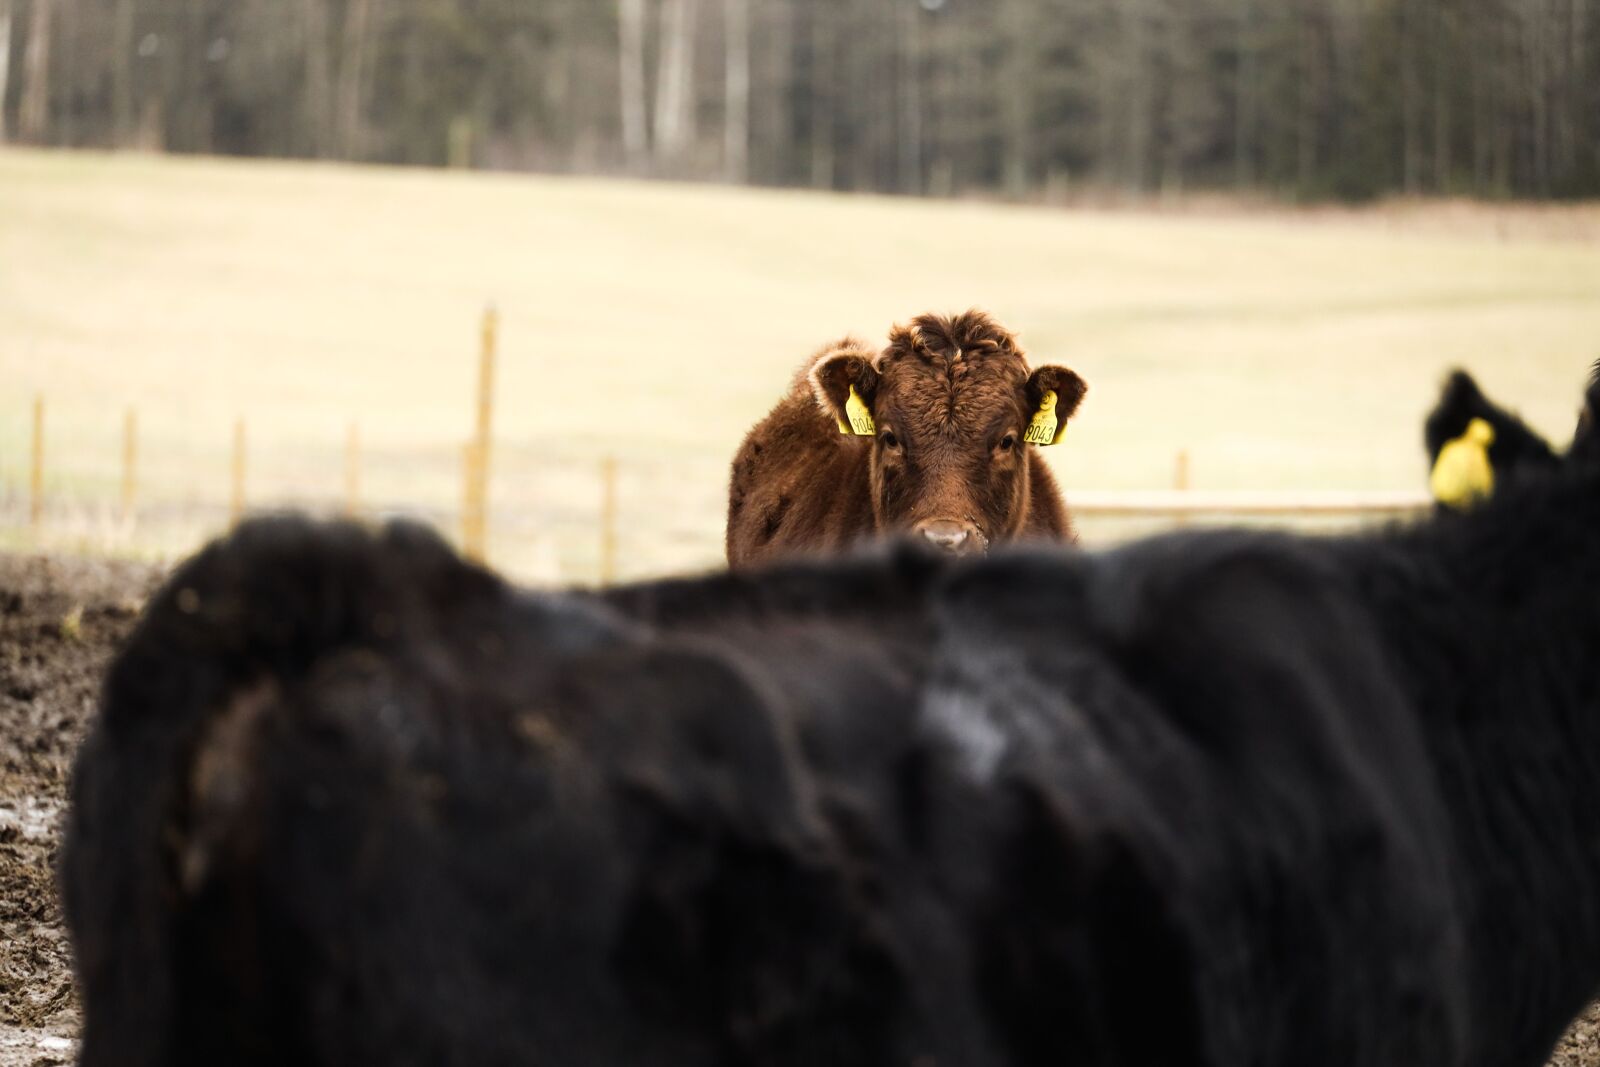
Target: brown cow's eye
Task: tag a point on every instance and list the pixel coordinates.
(888, 439)
(1008, 442)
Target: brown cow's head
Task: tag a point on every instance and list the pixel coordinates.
(950, 400)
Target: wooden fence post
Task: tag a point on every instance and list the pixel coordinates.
(479, 464)
(1180, 481)
(352, 471)
(486, 355)
(608, 520)
(472, 514)
(130, 465)
(36, 477)
(236, 507)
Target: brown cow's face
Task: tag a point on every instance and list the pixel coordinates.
(951, 399)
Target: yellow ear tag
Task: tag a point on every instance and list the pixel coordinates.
(1463, 473)
(860, 418)
(1045, 429)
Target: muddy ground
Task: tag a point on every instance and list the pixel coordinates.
(60, 621)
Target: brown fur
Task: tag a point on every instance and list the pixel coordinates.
(951, 398)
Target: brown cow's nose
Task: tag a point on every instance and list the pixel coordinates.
(957, 538)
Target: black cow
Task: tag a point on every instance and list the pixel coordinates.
(1517, 448)
(1213, 798)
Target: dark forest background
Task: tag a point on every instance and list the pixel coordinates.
(1305, 99)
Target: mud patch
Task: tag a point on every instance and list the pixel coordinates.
(60, 620)
(1581, 1046)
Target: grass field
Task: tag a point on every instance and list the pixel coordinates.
(656, 322)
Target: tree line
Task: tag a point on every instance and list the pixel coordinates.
(1307, 99)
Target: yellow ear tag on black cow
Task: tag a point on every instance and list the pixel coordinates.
(1463, 474)
(1045, 429)
(860, 418)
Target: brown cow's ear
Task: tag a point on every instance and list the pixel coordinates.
(1064, 382)
(1054, 393)
(839, 369)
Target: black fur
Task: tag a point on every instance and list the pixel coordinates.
(1213, 798)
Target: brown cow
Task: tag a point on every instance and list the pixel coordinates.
(929, 437)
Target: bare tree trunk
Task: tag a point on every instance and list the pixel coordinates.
(1477, 79)
(1505, 129)
(66, 42)
(1410, 109)
(1245, 102)
(736, 94)
(194, 108)
(1536, 90)
(1109, 102)
(1306, 113)
(1585, 102)
(352, 76)
(1016, 100)
(823, 81)
(631, 80)
(318, 113)
(1141, 136)
(123, 108)
(5, 61)
(1172, 126)
(675, 98)
(770, 54)
(33, 113)
(1441, 103)
(911, 180)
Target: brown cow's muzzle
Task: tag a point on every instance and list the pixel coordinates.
(956, 538)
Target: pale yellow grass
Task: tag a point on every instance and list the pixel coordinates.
(658, 322)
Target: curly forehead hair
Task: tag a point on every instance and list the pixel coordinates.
(947, 374)
(972, 335)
